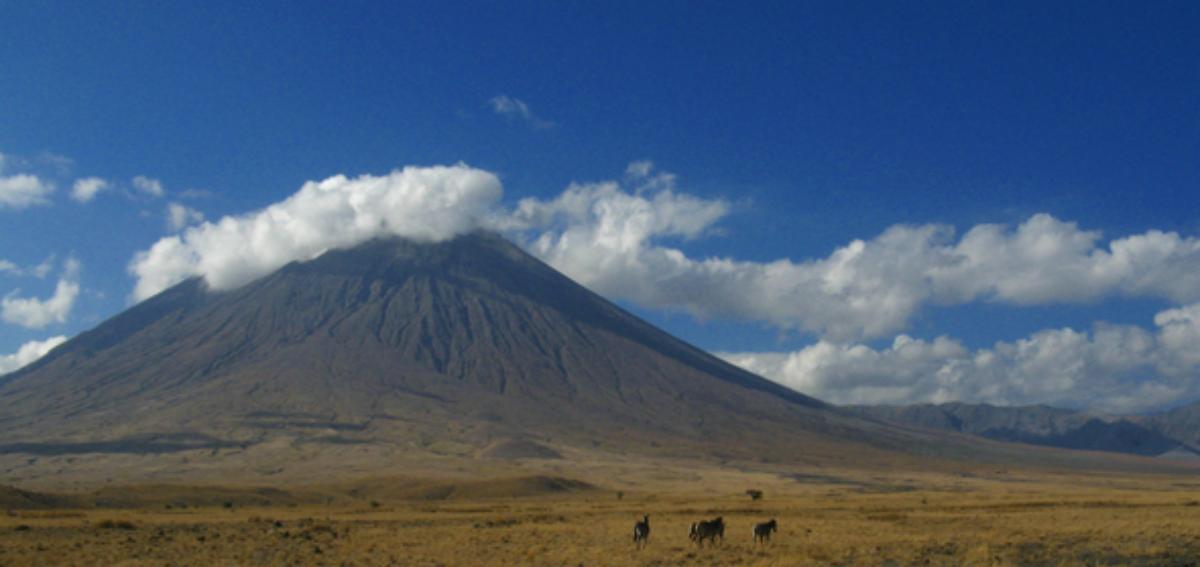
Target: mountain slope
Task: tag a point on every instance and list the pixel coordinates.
(1182, 423)
(397, 348)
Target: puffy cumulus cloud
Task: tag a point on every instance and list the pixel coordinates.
(28, 353)
(515, 108)
(87, 188)
(859, 374)
(597, 233)
(616, 238)
(1046, 260)
(1119, 368)
(35, 313)
(1179, 332)
(23, 191)
(180, 216)
(422, 203)
(149, 186)
(610, 240)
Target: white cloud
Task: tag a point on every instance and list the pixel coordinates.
(1179, 333)
(62, 164)
(864, 289)
(38, 271)
(24, 190)
(507, 106)
(28, 353)
(194, 194)
(36, 313)
(180, 216)
(149, 186)
(86, 189)
(1046, 260)
(42, 270)
(854, 292)
(600, 236)
(610, 239)
(639, 168)
(615, 240)
(422, 203)
(1118, 368)
(515, 108)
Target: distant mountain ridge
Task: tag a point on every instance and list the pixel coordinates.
(1171, 432)
(1182, 423)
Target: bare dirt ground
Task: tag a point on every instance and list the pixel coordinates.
(824, 519)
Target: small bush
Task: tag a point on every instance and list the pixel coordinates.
(375, 504)
(754, 494)
(115, 525)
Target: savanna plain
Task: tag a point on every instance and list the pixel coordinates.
(832, 518)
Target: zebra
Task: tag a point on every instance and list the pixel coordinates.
(762, 532)
(641, 532)
(708, 530)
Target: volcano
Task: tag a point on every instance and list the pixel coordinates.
(398, 352)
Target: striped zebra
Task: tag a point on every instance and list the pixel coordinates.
(641, 532)
(762, 532)
(708, 530)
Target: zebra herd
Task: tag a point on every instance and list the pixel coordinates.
(705, 530)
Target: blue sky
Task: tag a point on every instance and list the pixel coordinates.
(798, 128)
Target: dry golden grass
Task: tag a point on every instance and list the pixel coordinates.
(845, 520)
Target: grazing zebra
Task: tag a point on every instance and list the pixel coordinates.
(641, 532)
(708, 530)
(762, 532)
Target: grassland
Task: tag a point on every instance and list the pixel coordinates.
(826, 519)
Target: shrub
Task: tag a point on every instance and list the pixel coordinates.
(115, 525)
